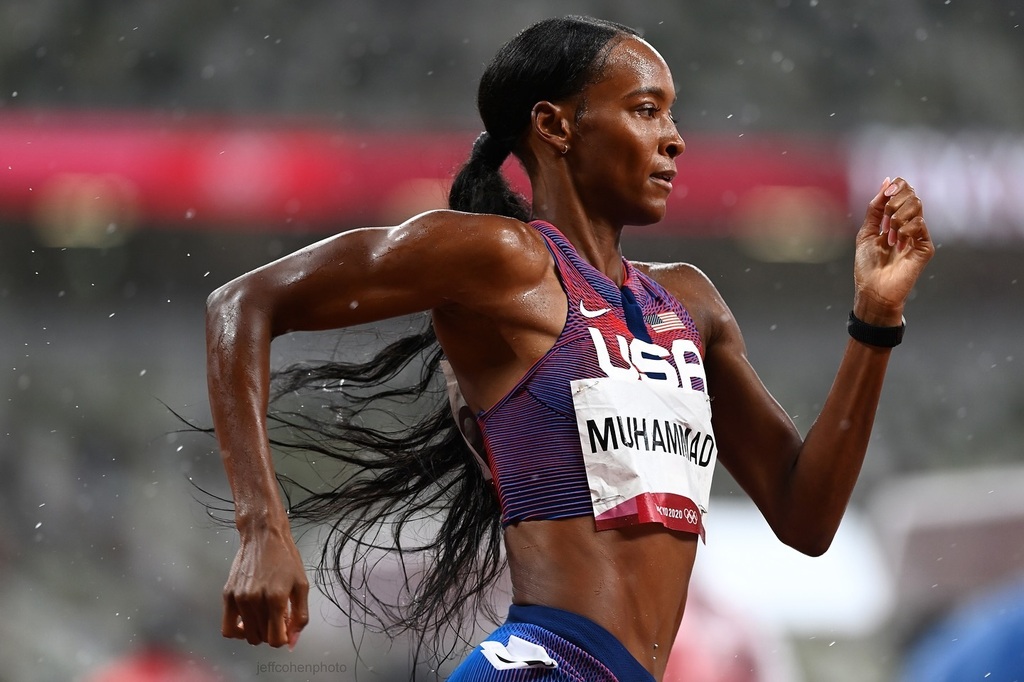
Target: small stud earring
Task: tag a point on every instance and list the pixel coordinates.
(565, 149)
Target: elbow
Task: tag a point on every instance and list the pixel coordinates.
(218, 306)
(813, 548)
(230, 310)
(807, 540)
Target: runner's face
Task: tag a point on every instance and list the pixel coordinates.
(627, 141)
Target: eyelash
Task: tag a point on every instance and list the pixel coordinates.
(651, 110)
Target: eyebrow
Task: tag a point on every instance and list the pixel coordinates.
(651, 90)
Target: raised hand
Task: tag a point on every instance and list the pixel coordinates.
(893, 246)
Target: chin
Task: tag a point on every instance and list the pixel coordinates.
(646, 218)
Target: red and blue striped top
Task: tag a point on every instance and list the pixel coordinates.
(531, 437)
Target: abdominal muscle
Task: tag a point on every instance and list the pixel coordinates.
(632, 581)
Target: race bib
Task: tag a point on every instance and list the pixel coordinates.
(649, 452)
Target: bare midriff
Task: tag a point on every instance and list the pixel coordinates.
(631, 581)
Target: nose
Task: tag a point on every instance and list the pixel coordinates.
(674, 145)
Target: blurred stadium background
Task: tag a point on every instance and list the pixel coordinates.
(150, 151)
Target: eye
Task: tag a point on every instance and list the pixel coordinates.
(651, 110)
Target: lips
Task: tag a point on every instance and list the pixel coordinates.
(664, 176)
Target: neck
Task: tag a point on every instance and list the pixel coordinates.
(596, 241)
(556, 199)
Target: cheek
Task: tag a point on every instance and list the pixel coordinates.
(627, 153)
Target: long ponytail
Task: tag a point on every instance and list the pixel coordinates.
(408, 497)
(480, 186)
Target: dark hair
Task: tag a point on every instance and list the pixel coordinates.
(403, 459)
(551, 61)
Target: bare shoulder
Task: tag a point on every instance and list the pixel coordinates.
(695, 290)
(485, 264)
(498, 235)
(682, 276)
(477, 243)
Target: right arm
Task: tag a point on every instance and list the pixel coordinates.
(437, 260)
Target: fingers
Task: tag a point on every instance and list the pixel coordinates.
(254, 618)
(886, 218)
(260, 618)
(287, 618)
(231, 626)
(895, 214)
(300, 613)
(265, 598)
(903, 219)
(875, 220)
(277, 630)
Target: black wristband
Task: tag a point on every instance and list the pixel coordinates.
(883, 337)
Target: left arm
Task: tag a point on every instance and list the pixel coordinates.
(803, 485)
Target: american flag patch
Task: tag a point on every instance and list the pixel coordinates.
(664, 321)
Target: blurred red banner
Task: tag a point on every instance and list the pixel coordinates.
(225, 173)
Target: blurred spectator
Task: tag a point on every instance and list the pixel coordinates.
(983, 640)
(156, 664)
(715, 644)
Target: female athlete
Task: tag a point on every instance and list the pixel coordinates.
(603, 391)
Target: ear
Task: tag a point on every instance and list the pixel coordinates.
(551, 125)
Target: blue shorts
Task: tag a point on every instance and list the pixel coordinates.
(582, 650)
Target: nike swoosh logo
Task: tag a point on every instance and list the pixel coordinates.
(592, 313)
(527, 662)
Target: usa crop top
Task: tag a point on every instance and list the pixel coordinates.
(531, 438)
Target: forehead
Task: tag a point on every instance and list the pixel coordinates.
(633, 65)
